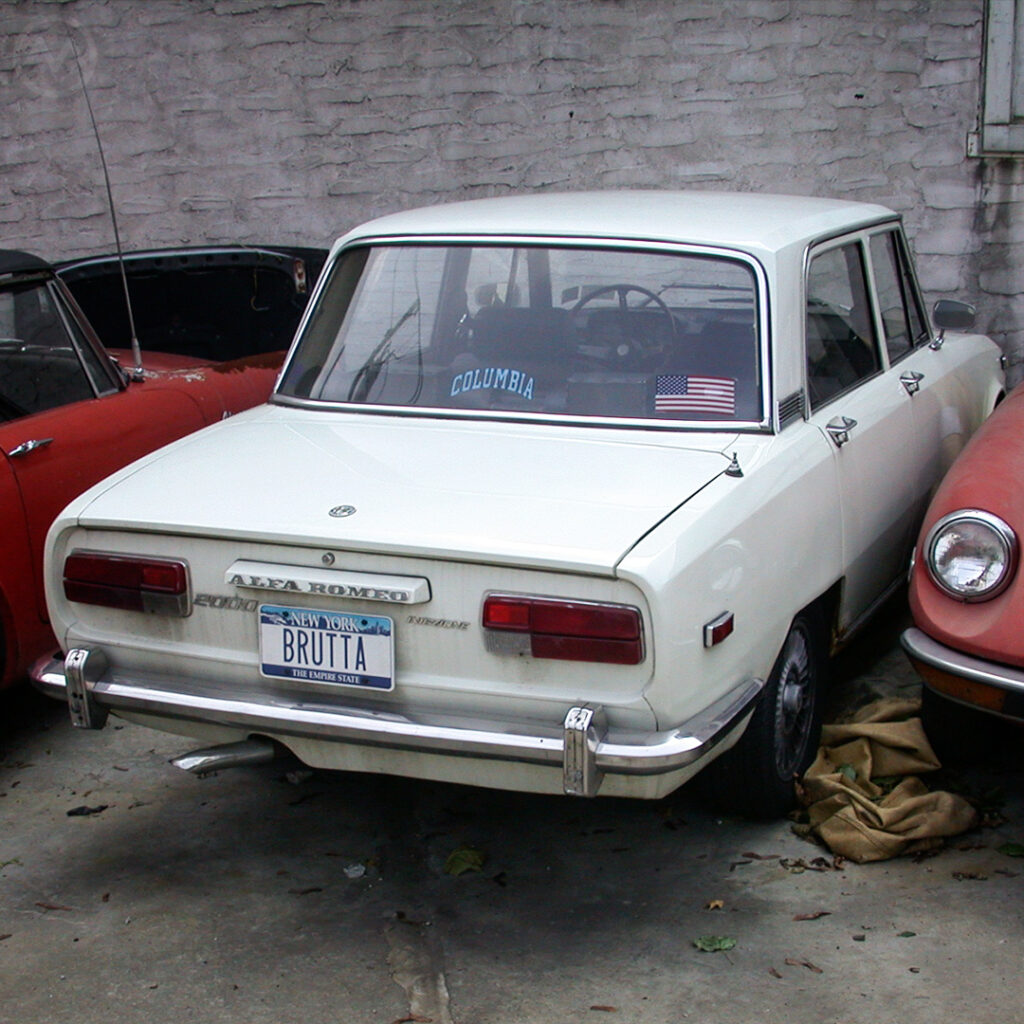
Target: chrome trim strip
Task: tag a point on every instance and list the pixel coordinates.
(977, 670)
(620, 753)
(510, 416)
(288, 580)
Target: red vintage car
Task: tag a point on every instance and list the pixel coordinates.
(967, 590)
(72, 412)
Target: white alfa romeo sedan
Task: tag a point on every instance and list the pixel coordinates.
(559, 493)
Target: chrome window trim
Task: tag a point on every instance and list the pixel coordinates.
(764, 425)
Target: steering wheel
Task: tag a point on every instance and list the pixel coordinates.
(633, 339)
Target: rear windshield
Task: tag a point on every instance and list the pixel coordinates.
(555, 331)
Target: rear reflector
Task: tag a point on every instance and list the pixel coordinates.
(156, 585)
(568, 630)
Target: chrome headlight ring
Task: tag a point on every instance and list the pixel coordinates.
(971, 555)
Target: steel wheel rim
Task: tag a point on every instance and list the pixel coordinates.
(794, 703)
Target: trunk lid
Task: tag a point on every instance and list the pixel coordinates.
(553, 497)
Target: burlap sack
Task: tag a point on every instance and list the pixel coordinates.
(857, 817)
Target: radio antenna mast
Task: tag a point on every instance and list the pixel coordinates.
(137, 373)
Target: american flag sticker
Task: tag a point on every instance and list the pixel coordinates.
(688, 392)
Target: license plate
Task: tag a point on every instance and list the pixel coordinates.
(326, 647)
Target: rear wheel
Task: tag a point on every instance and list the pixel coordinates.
(755, 778)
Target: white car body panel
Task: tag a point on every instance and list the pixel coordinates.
(682, 521)
(506, 493)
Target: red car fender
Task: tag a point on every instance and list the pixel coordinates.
(988, 475)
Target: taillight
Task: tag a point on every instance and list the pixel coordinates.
(159, 586)
(570, 630)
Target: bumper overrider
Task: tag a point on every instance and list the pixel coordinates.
(964, 678)
(584, 746)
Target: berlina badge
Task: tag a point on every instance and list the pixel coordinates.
(342, 511)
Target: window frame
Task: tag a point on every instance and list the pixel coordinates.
(910, 294)
(766, 388)
(859, 242)
(1000, 129)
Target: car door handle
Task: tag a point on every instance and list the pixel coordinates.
(911, 380)
(29, 446)
(839, 429)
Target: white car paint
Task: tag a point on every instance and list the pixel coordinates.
(683, 521)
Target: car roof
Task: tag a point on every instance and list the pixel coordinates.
(12, 261)
(743, 220)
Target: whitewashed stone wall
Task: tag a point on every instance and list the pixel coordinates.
(287, 120)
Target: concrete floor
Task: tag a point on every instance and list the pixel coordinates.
(252, 899)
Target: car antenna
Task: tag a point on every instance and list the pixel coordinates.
(137, 373)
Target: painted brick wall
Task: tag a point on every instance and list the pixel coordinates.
(287, 121)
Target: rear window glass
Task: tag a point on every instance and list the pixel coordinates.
(548, 330)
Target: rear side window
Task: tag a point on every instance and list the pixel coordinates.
(902, 318)
(842, 348)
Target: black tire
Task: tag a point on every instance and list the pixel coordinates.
(755, 778)
(958, 734)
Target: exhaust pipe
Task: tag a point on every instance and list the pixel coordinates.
(227, 755)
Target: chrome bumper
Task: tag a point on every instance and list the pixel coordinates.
(922, 647)
(584, 747)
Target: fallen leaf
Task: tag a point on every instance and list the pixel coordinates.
(906, 935)
(714, 904)
(81, 812)
(305, 892)
(1011, 849)
(804, 963)
(414, 1019)
(605, 1009)
(464, 859)
(737, 864)
(715, 943)
(760, 856)
(796, 866)
(812, 916)
(7, 935)
(53, 906)
(970, 876)
(774, 973)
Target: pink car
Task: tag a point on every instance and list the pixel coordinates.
(966, 588)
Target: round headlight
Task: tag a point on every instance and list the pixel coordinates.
(971, 555)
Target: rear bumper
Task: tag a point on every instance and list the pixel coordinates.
(582, 746)
(965, 678)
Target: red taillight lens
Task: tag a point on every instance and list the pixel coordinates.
(569, 630)
(157, 585)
